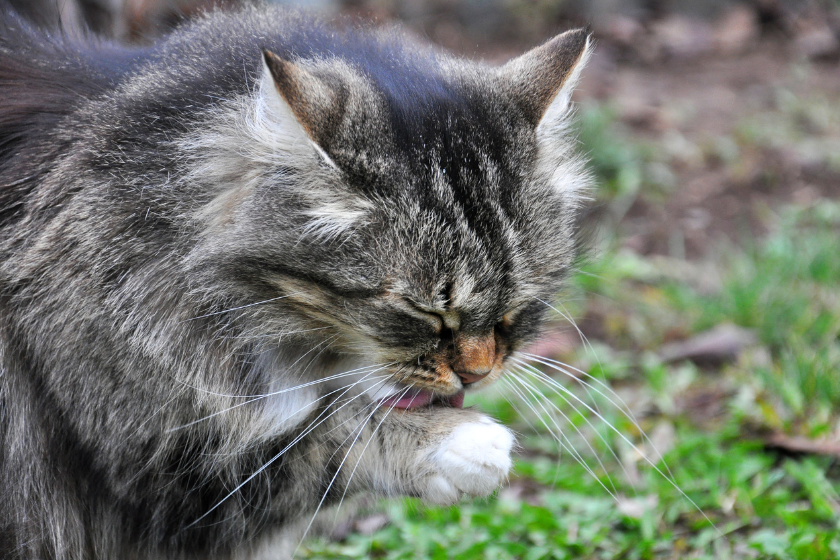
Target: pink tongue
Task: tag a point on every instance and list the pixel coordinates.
(412, 399)
(456, 400)
(417, 397)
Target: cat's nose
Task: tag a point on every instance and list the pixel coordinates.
(476, 355)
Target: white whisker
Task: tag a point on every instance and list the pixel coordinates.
(567, 448)
(566, 418)
(669, 479)
(260, 397)
(570, 447)
(326, 341)
(585, 419)
(278, 335)
(312, 425)
(571, 321)
(621, 406)
(583, 339)
(361, 429)
(289, 389)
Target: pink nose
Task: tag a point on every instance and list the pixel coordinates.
(475, 356)
(469, 378)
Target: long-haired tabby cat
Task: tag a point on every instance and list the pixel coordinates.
(253, 269)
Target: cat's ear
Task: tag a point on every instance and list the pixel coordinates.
(542, 79)
(314, 103)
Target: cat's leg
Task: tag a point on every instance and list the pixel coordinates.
(436, 453)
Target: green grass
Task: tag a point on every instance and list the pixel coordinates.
(772, 510)
(787, 289)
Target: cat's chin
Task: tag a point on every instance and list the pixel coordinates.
(416, 398)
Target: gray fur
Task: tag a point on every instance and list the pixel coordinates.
(180, 236)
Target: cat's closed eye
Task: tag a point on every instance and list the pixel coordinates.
(430, 314)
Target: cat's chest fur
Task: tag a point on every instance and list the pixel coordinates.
(253, 270)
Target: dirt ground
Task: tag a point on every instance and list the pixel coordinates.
(698, 114)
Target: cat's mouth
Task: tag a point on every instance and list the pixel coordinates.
(416, 398)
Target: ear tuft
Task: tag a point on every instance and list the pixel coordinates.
(542, 79)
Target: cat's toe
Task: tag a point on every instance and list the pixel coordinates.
(441, 491)
(475, 457)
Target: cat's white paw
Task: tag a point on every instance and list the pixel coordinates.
(473, 459)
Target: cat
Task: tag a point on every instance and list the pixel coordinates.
(253, 268)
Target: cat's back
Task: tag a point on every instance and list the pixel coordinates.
(218, 56)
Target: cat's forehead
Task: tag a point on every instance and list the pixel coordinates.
(456, 118)
(427, 115)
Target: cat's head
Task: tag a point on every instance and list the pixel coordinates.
(403, 206)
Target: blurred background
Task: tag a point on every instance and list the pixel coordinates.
(703, 376)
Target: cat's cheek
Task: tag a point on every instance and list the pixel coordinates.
(473, 459)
